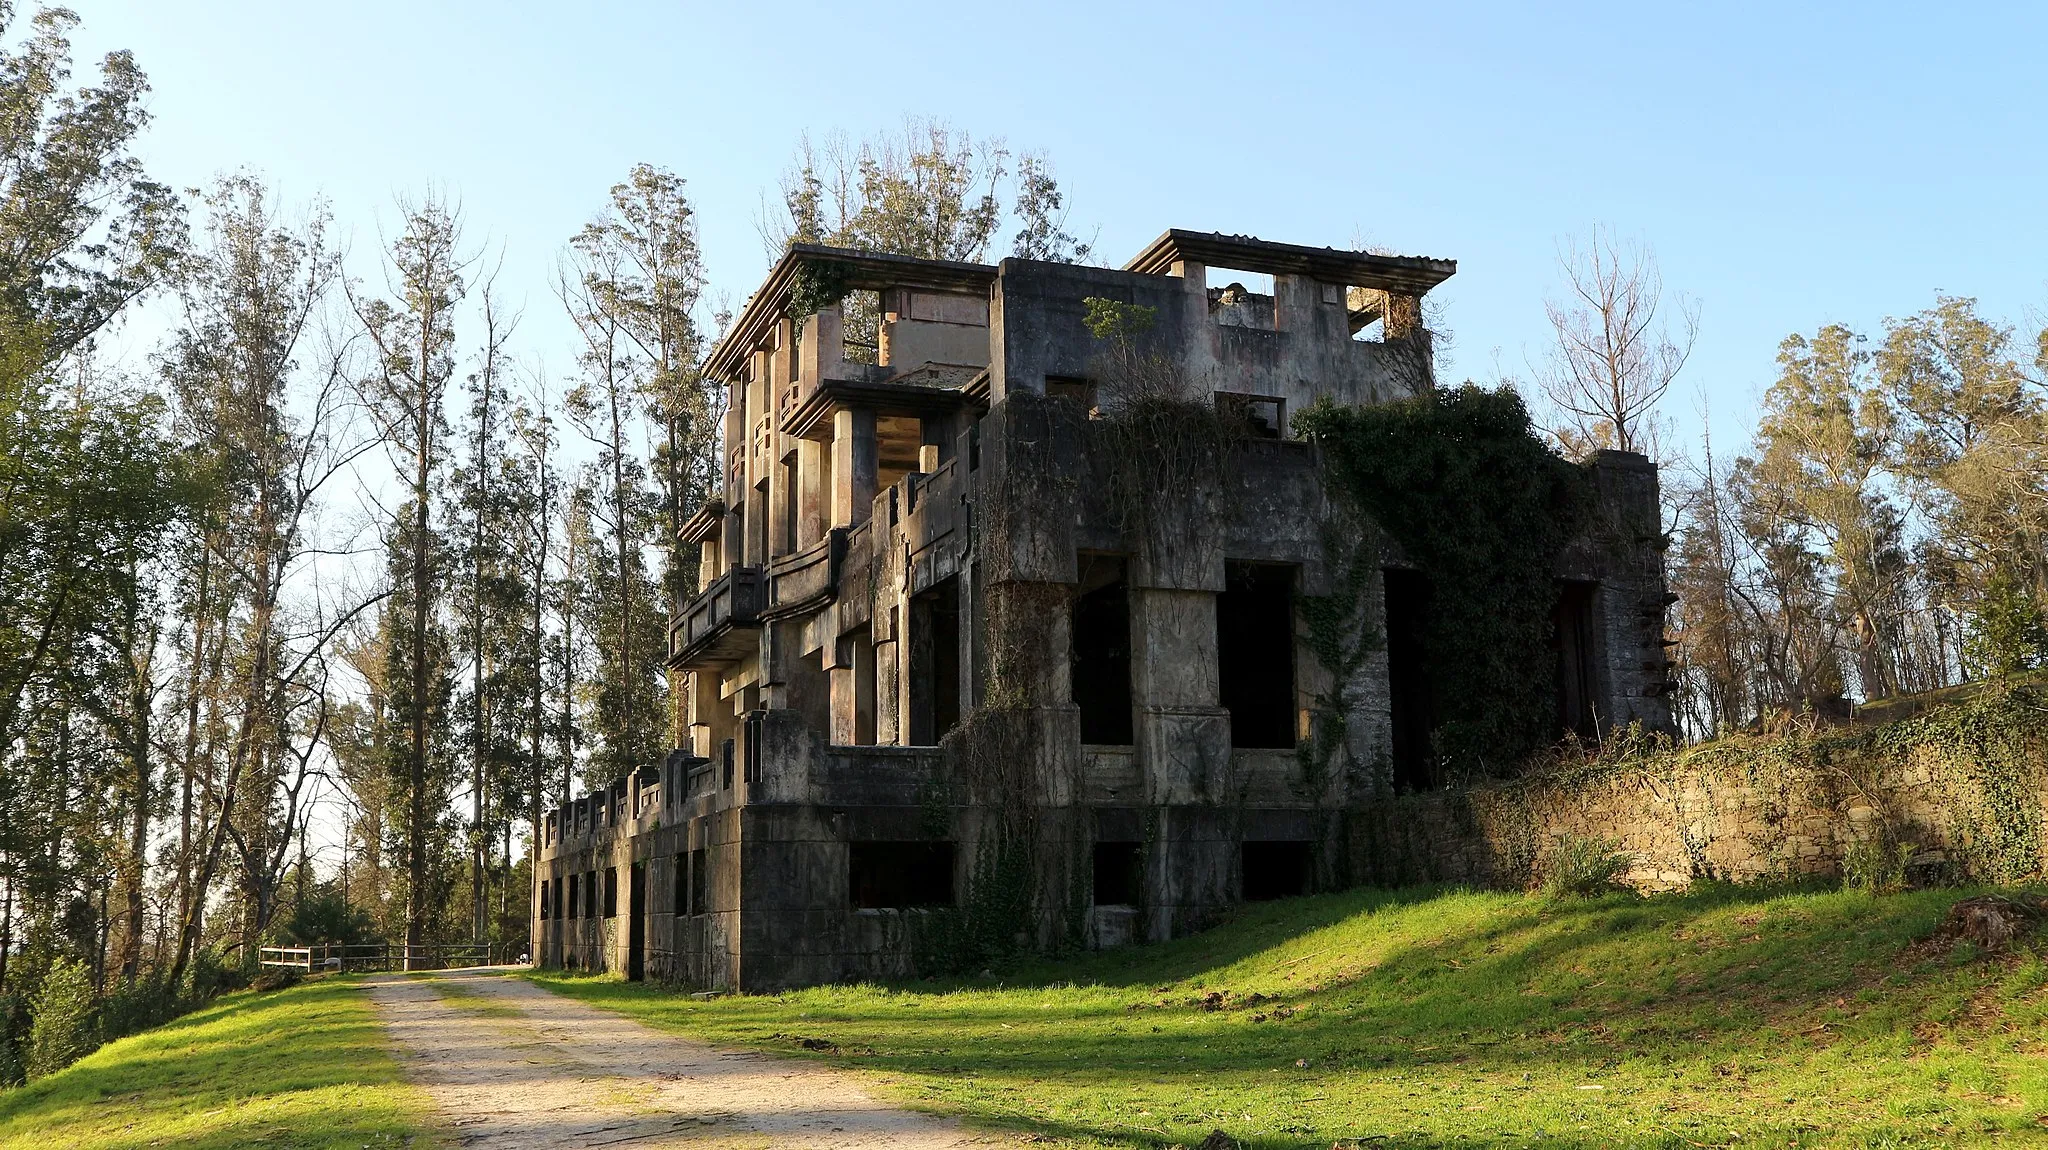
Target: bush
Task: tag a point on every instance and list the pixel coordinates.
(133, 1007)
(1583, 866)
(276, 978)
(210, 976)
(1876, 865)
(66, 1023)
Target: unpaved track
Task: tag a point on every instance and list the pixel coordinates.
(560, 1073)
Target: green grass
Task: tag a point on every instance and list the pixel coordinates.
(305, 1067)
(1426, 1017)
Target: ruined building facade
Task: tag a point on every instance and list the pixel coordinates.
(930, 541)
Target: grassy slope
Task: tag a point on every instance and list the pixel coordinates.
(305, 1067)
(1430, 1017)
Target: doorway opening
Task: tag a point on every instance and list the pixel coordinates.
(1255, 653)
(1408, 686)
(1101, 646)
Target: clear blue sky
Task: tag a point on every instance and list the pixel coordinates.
(1792, 165)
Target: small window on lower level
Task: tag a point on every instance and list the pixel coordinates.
(1275, 870)
(1260, 416)
(544, 908)
(700, 883)
(1119, 873)
(897, 875)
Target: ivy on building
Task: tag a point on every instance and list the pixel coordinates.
(1460, 481)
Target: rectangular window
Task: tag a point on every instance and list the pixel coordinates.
(725, 764)
(558, 897)
(1408, 686)
(1255, 653)
(934, 663)
(894, 875)
(575, 897)
(1275, 870)
(1081, 391)
(700, 883)
(611, 892)
(1100, 649)
(544, 899)
(679, 890)
(1571, 634)
(1260, 416)
(590, 894)
(1119, 873)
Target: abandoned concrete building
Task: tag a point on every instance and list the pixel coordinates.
(914, 531)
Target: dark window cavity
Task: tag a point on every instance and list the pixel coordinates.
(700, 883)
(883, 875)
(1101, 647)
(1275, 870)
(934, 662)
(1408, 687)
(611, 892)
(1119, 873)
(1571, 633)
(1255, 653)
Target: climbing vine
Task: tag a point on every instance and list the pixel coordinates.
(817, 285)
(1459, 479)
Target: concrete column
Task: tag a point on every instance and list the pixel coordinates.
(889, 678)
(854, 467)
(815, 497)
(708, 569)
(821, 352)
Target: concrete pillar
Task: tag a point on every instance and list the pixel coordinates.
(889, 678)
(708, 568)
(821, 352)
(854, 467)
(928, 458)
(815, 498)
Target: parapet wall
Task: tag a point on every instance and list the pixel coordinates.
(1964, 789)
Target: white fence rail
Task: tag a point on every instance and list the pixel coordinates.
(382, 956)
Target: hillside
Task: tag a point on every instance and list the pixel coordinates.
(305, 1067)
(1430, 1016)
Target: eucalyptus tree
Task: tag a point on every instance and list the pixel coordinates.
(413, 362)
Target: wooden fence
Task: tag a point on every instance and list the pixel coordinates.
(386, 956)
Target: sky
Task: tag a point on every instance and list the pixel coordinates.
(1790, 165)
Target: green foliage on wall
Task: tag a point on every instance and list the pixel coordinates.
(1460, 480)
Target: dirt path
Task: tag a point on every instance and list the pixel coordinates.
(513, 1067)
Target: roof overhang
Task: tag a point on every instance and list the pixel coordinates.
(1403, 275)
(860, 271)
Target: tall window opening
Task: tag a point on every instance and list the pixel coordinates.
(898, 875)
(1255, 653)
(1571, 633)
(1275, 870)
(1119, 873)
(700, 883)
(934, 663)
(1101, 647)
(1408, 687)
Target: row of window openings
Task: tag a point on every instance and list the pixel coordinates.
(1262, 416)
(894, 876)
(576, 895)
(905, 876)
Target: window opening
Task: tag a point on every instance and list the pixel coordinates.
(1571, 634)
(1255, 653)
(934, 662)
(545, 910)
(899, 875)
(1275, 870)
(1262, 416)
(1408, 686)
(611, 892)
(1101, 651)
(700, 883)
(725, 749)
(1119, 873)
(1077, 388)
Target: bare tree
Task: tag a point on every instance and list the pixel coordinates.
(1616, 353)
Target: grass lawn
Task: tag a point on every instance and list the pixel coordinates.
(304, 1067)
(1429, 1017)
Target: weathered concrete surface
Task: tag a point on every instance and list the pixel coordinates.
(560, 1073)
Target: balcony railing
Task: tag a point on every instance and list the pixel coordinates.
(717, 627)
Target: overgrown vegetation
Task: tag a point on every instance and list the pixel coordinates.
(1463, 484)
(1426, 1017)
(305, 1067)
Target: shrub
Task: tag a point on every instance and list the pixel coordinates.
(276, 978)
(211, 976)
(136, 1006)
(66, 1025)
(1876, 865)
(1578, 865)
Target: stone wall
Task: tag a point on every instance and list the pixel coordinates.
(1964, 788)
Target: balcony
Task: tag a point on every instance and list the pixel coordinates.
(806, 580)
(719, 626)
